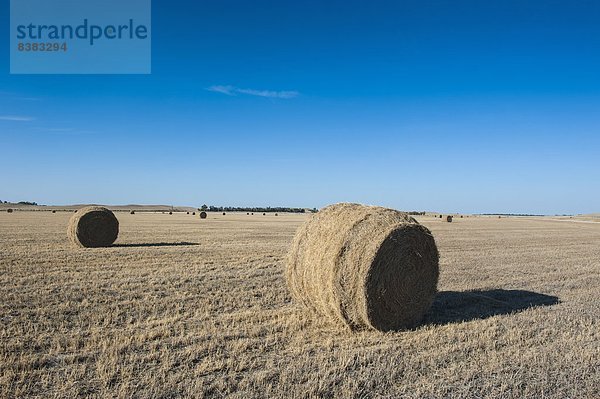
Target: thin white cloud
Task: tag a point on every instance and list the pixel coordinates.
(16, 118)
(229, 90)
(234, 91)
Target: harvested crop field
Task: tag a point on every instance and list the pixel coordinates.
(181, 307)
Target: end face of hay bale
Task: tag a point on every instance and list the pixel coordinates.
(193, 213)
(93, 227)
(53, 211)
(449, 218)
(9, 210)
(223, 213)
(364, 267)
(203, 215)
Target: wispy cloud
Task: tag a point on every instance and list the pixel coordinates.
(16, 118)
(234, 91)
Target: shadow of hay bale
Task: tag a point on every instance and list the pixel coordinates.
(156, 244)
(455, 307)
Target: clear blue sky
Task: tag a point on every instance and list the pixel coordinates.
(454, 106)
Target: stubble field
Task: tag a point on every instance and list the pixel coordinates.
(183, 307)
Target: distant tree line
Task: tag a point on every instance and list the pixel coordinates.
(20, 203)
(212, 208)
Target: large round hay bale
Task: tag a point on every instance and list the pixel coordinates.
(9, 210)
(93, 226)
(223, 213)
(449, 218)
(193, 213)
(364, 267)
(203, 215)
(170, 213)
(53, 211)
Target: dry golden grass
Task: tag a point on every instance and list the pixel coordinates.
(190, 308)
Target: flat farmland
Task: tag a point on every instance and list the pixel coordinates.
(183, 307)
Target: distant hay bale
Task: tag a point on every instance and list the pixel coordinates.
(9, 210)
(253, 213)
(187, 213)
(247, 213)
(132, 213)
(449, 218)
(53, 211)
(193, 213)
(461, 216)
(264, 214)
(223, 213)
(203, 215)
(93, 226)
(441, 216)
(364, 267)
(276, 214)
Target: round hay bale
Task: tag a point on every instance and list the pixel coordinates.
(264, 214)
(9, 210)
(253, 213)
(223, 213)
(132, 212)
(461, 216)
(93, 226)
(276, 214)
(170, 213)
(441, 216)
(193, 213)
(247, 213)
(203, 215)
(449, 218)
(364, 267)
(187, 213)
(53, 211)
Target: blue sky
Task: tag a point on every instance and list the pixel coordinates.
(454, 106)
